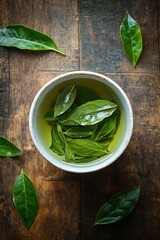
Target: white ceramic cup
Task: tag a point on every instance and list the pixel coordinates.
(41, 131)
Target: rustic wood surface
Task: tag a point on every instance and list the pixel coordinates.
(88, 31)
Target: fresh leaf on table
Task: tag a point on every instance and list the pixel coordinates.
(23, 37)
(8, 149)
(65, 100)
(118, 207)
(131, 37)
(25, 199)
(87, 148)
(91, 112)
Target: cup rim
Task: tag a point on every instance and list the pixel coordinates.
(73, 167)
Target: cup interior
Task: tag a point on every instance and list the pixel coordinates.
(104, 87)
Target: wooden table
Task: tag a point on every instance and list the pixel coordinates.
(88, 32)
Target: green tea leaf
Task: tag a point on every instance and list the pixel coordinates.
(25, 199)
(86, 148)
(49, 116)
(23, 37)
(69, 154)
(58, 144)
(91, 112)
(131, 37)
(79, 159)
(64, 100)
(73, 125)
(118, 207)
(8, 149)
(106, 142)
(78, 132)
(66, 114)
(85, 95)
(106, 129)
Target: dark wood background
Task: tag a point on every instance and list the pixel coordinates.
(88, 31)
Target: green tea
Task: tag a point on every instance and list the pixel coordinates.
(100, 89)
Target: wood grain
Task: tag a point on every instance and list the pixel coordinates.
(88, 31)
